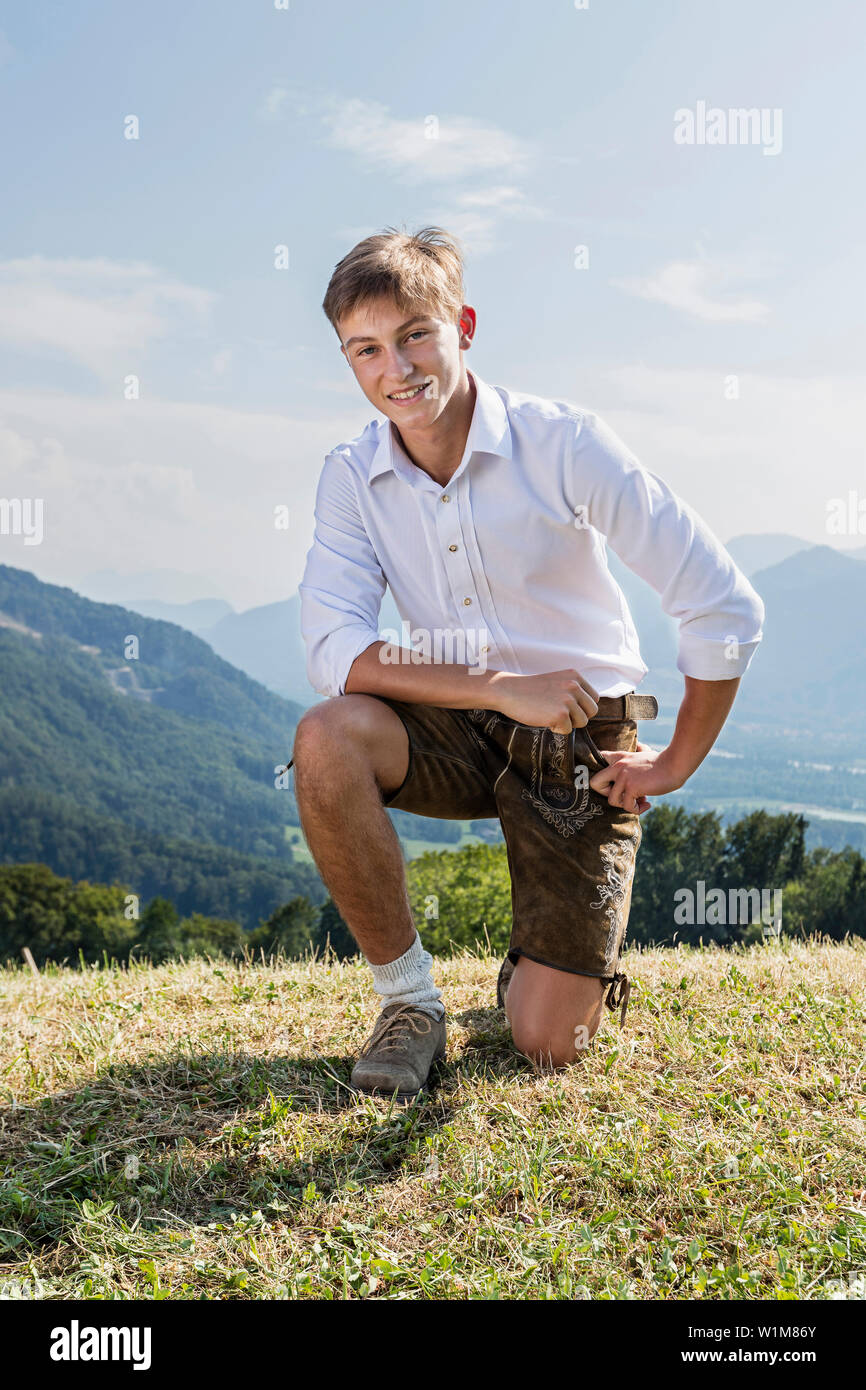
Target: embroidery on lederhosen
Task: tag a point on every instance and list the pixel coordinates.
(556, 765)
(565, 820)
(478, 716)
(618, 858)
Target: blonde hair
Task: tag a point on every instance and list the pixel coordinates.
(421, 272)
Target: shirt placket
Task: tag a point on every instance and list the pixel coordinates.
(456, 531)
(458, 573)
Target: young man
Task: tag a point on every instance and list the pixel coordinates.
(487, 511)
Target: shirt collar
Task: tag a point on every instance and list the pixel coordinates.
(489, 431)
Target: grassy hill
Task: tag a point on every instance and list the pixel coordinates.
(187, 1132)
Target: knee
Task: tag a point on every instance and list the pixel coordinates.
(553, 1043)
(334, 721)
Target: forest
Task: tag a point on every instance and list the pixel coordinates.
(459, 899)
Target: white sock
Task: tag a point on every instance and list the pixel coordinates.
(407, 980)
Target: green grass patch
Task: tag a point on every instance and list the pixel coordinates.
(187, 1132)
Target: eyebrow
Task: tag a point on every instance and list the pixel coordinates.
(419, 318)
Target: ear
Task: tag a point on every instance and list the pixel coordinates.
(466, 325)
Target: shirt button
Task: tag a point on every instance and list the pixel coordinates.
(467, 600)
(445, 497)
(485, 649)
(452, 547)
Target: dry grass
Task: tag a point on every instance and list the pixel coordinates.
(187, 1131)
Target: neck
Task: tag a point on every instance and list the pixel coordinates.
(437, 451)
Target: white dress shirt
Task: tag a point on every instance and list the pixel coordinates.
(509, 557)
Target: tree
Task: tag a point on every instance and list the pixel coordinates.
(829, 897)
(159, 935)
(676, 851)
(462, 898)
(292, 929)
(333, 929)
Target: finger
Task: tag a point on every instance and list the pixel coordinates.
(565, 723)
(609, 786)
(618, 796)
(579, 717)
(586, 699)
(601, 781)
(590, 689)
(624, 799)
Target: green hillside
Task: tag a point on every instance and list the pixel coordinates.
(157, 770)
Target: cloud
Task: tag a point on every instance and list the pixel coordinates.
(475, 216)
(700, 288)
(99, 313)
(437, 150)
(196, 485)
(193, 484)
(274, 102)
(746, 463)
(432, 148)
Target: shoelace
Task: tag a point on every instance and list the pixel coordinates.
(393, 1030)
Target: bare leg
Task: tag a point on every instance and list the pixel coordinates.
(347, 752)
(553, 1015)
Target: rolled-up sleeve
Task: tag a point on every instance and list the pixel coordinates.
(662, 539)
(342, 587)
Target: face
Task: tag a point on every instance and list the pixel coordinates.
(391, 353)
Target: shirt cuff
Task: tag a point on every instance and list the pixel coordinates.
(714, 659)
(334, 679)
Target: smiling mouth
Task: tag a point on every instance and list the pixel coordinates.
(410, 393)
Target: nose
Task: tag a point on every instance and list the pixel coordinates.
(397, 366)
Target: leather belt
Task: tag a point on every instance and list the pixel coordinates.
(630, 706)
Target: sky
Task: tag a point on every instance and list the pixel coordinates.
(713, 317)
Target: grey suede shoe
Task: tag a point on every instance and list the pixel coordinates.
(400, 1051)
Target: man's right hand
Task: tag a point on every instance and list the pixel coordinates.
(557, 700)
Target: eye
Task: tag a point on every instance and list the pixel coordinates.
(416, 333)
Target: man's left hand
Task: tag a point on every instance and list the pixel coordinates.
(632, 777)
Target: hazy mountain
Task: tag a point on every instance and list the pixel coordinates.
(812, 661)
(266, 642)
(164, 585)
(200, 614)
(757, 552)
